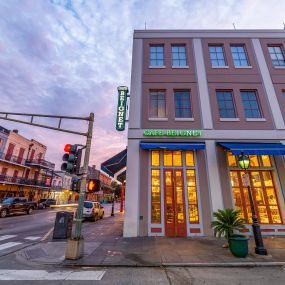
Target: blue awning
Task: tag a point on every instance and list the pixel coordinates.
(115, 163)
(173, 146)
(255, 148)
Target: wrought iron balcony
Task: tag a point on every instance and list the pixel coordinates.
(22, 181)
(56, 188)
(7, 157)
(41, 163)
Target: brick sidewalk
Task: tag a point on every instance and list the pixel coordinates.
(115, 250)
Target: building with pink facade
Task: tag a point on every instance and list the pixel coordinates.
(198, 100)
(23, 168)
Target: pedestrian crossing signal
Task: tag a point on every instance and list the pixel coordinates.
(91, 185)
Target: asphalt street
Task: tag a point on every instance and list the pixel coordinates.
(21, 230)
(18, 232)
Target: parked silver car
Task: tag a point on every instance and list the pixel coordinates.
(93, 210)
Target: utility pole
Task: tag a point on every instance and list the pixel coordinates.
(83, 179)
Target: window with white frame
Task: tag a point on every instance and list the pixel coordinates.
(250, 104)
(178, 55)
(182, 104)
(156, 56)
(226, 104)
(239, 56)
(217, 55)
(157, 104)
(277, 55)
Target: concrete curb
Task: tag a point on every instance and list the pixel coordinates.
(197, 265)
(229, 264)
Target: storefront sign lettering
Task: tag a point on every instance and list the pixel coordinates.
(172, 133)
(121, 110)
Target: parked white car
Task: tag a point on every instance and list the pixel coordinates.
(93, 210)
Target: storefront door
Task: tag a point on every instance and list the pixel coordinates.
(174, 203)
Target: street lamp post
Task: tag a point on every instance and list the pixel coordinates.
(244, 161)
(113, 201)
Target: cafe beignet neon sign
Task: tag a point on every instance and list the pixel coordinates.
(172, 133)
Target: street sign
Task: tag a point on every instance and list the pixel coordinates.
(121, 110)
(245, 180)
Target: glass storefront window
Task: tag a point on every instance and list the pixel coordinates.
(267, 178)
(271, 196)
(237, 198)
(255, 177)
(263, 194)
(253, 161)
(177, 158)
(193, 214)
(155, 196)
(192, 196)
(262, 211)
(189, 158)
(275, 215)
(179, 196)
(266, 160)
(259, 196)
(231, 159)
(169, 197)
(155, 158)
(167, 158)
(234, 178)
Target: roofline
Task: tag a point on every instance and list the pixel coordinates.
(258, 33)
(4, 131)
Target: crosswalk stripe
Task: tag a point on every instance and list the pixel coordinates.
(7, 237)
(32, 238)
(56, 275)
(8, 245)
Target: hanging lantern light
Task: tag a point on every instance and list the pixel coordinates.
(244, 161)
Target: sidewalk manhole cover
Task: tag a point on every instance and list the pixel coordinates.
(35, 253)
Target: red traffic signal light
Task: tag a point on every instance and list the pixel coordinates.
(67, 148)
(72, 157)
(91, 186)
(70, 148)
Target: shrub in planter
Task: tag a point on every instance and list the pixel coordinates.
(227, 222)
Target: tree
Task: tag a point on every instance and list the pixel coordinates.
(117, 188)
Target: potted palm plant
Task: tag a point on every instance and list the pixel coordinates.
(228, 223)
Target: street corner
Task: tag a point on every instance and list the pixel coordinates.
(52, 253)
(48, 253)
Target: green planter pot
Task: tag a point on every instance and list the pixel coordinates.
(238, 245)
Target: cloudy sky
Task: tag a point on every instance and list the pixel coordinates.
(68, 57)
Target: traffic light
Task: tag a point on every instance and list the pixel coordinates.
(93, 185)
(72, 159)
(75, 186)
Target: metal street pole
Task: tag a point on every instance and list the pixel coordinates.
(259, 247)
(113, 200)
(78, 225)
(244, 163)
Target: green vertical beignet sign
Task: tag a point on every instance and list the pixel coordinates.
(121, 110)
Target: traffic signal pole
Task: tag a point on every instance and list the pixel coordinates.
(78, 225)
